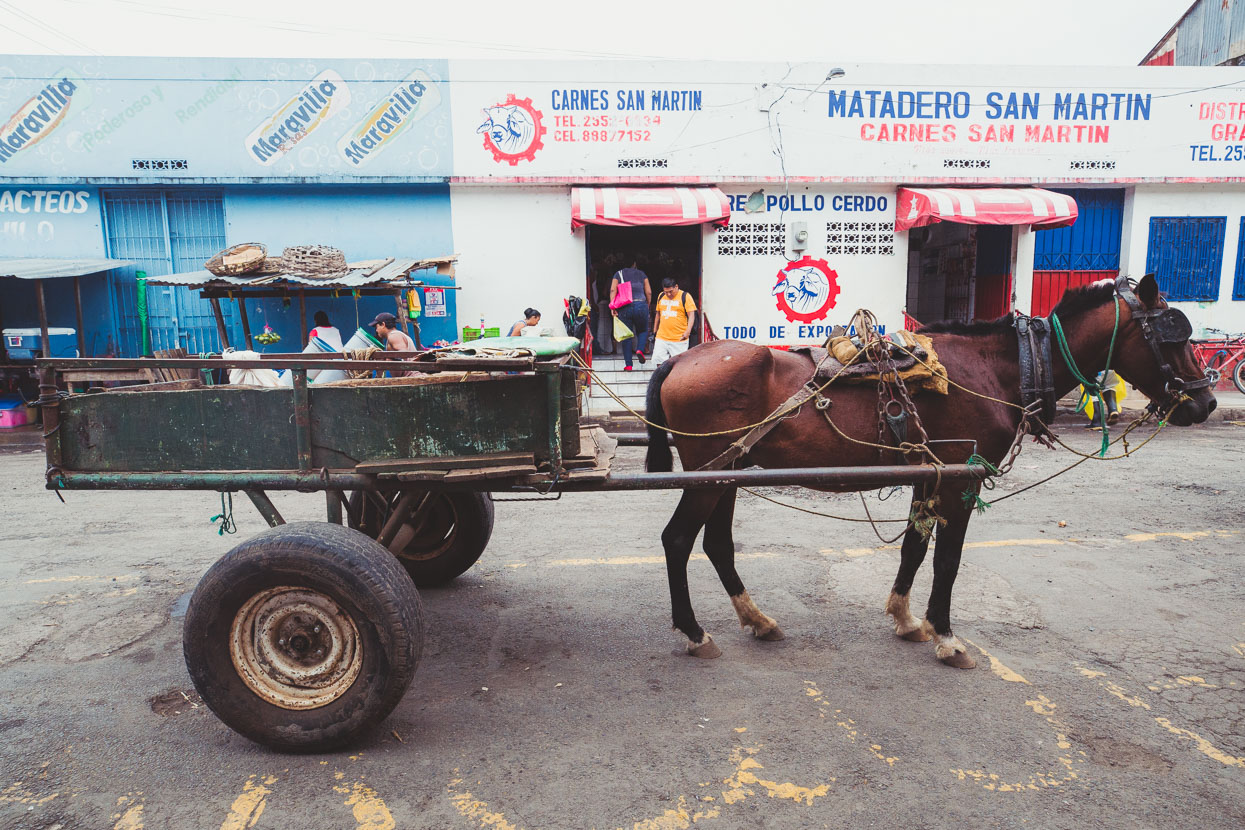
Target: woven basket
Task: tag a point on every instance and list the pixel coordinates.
(314, 261)
(271, 265)
(238, 259)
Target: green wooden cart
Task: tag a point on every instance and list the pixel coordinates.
(309, 633)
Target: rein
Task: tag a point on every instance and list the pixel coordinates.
(1093, 387)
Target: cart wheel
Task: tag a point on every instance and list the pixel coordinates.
(448, 542)
(303, 637)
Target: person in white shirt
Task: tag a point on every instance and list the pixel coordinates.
(326, 331)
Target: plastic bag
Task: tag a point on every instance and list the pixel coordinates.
(621, 330)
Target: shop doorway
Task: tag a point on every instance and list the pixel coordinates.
(959, 272)
(662, 251)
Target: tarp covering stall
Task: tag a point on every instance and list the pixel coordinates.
(919, 206)
(631, 206)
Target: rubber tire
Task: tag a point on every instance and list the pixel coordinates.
(472, 525)
(362, 577)
(1238, 376)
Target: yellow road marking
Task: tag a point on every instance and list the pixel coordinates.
(370, 812)
(847, 724)
(997, 666)
(1186, 535)
(15, 793)
(1239, 648)
(121, 578)
(249, 806)
(1203, 746)
(129, 815)
(680, 818)
(646, 560)
(469, 806)
(743, 778)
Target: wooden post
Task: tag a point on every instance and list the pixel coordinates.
(402, 312)
(43, 319)
(77, 299)
(220, 323)
(246, 324)
(302, 316)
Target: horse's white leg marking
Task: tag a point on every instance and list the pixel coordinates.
(706, 648)
(763, 627)
(906, 625)
(951, 651)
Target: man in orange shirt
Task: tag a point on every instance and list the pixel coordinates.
(675, 321)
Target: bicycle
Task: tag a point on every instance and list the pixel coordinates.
(1220, 355)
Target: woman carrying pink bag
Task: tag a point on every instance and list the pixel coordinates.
(630, 296)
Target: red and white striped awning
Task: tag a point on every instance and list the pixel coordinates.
(917, 206)
(632, 206)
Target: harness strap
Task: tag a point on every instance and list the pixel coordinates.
(1037, 375)
(749, 439)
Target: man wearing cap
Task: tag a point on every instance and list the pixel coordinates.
(387, 332)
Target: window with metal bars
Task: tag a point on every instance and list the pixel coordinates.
(166, 232)
(1185, 253)
(1238, 281)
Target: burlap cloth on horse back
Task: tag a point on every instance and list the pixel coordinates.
(921, 370)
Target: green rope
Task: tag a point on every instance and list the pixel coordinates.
(225, 517)
(1092, 387)
(972, 495)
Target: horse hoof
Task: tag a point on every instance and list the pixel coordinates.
(772, 636)
(707, 650)
(959, 660)
(917, 635)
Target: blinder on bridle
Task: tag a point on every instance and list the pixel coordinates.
(1159, 326)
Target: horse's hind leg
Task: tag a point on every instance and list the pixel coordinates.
(912, 554)
(680, 534)
(947, 549)
(719, 544)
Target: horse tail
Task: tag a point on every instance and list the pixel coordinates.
(659, 458)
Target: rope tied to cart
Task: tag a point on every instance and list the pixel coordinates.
(225, 516)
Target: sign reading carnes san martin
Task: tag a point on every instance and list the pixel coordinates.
(43, 112)
(322, 98)
(412, 99)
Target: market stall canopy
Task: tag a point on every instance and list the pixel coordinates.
(918, 206)
(631, 206)
(39, 268)
(378, 273)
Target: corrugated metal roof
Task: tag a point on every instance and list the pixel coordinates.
(39, 268)
(369, 272)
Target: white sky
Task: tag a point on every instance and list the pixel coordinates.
(1016, 32)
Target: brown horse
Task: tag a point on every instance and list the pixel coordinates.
(726, 385)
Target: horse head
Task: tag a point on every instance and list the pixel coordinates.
(1153, 353)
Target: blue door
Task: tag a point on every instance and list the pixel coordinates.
(166, 232)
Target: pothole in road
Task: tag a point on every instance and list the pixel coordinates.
(1110, 752)
(175, 702)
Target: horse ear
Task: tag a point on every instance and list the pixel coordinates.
(1148, 290)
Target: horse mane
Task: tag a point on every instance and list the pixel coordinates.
(1075, 301)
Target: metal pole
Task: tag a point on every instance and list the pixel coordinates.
(302, 419)
(141, 301)
(265, 507)
(43, 319)
(335, 501)
(220, 323)
(246, 324)
(77, 298)
(302, 316)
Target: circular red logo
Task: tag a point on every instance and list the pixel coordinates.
(512, 130)
(806, 290)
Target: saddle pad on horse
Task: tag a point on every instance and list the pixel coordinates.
(916, 361)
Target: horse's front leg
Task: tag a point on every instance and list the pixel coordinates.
(947, 549)
(911, 556)
(678, 538)
(719, 544)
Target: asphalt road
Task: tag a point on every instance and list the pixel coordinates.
(1105, 611)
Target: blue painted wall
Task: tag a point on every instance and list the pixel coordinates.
(365, 222)
(42, 221)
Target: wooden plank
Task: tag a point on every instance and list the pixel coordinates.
(510, 471)
(416, 475)
(75, 375)
(399, 465)
(163, 386)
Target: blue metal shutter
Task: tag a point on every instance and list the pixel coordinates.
(1238, 282)
(165, 232)
(1092, 243)
(1186, 254)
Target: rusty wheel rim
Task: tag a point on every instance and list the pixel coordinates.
(295, 648)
